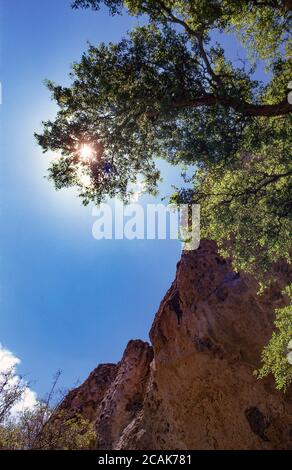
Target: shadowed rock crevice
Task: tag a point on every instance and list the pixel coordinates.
(257, 421)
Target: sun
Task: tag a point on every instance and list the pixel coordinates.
(86, 152)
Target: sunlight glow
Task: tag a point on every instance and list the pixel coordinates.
(86, 152)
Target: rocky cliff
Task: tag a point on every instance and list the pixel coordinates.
(194, 388)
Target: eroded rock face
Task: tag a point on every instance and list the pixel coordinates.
(196, 388)
(85, 400)
(124, 398)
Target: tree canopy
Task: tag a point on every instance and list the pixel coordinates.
(168, 91)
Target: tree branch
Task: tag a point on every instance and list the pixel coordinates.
(194, 34)
(243, 107)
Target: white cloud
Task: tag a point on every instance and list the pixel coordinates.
(8, 361)
(28, 401)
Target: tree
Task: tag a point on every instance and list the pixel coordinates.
(12, 389)
(246, 206)
(275, 354)
(168, 91)
(160, 93)
(60, 433)
(45, 426)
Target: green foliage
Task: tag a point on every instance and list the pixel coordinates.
(43, 426)
(10, 437)
(246, 203)
(274, 356)
(56, 432)
(262, 26)
(160, 93)
(263, 29)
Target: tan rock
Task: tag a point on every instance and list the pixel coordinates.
(86, 398)
(198, 391)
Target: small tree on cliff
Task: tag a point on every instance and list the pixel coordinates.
(45, 426)
(168, 91)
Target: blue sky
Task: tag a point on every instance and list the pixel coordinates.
(67, 301)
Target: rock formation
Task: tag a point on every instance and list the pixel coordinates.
(194, 388)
